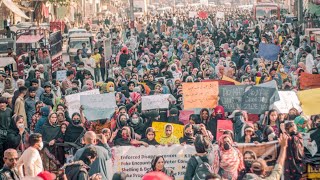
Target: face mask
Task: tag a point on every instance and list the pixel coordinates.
(189, 134)
(257, 172)
(41, 146)
(292, 117)
(111, 89)
(20, 126)
(226, 146)
(218, 116)
(173, 68)
(281, 69)
(76, 122)
(128, 64)
(293, 133)
(207, 74)
(123, 123)
(135, 120)
(247, 164)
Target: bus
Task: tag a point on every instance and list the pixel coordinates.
(268, 10)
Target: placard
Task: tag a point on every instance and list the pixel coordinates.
(269, 51)
(310, 101)
(288, 100)
(73, 100)
(98, 106)
(230, 97)
(155, 102)
(193, 14)
(200, 95)
(61, 75)
(160, 131)
(223, 125)
(309, 81)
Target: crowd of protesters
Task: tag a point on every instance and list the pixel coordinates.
(164, 51)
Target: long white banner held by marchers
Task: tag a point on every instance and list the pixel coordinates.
(155, 102)
(136, 161)
(73, 100)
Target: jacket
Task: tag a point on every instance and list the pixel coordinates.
(47, 98)
(19, 109)
(192, 165)
(45, 113)
(30, 107)
(8, 174)
(102, 164)
(77, 170)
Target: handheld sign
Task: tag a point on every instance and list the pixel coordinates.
(200, 95)
(61, 75)
(309, 81)
(98, 106)
(230, 97)
(155, 102)
(269, 51)
(310, 100)
(288, 100)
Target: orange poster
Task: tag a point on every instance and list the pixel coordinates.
(309, 81)
(200, 95)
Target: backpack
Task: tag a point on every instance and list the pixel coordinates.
(202, 170)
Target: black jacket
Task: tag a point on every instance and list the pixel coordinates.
(77, 171)
(192, 165)
(8, 174)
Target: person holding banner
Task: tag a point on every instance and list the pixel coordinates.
(150, 137)
(228, 160)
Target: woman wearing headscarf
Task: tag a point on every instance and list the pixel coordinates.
(8, 88)
(128, 138)
(136, 122)
(188, 135)
(157, 165)
(17, 137)
(228, 159)
(150, 136)
(168, 138)
(50, 132)
(249, 135)
(75, 129)
(301, 123)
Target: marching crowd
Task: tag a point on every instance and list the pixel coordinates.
(39, 136)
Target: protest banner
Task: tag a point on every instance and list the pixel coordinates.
(200, 95)
(269, 51)
(98, 106)
(160, 131)
(61, 75)
(223, 125)
(271, 84)
(230, 97)
(257, 100)
(155, 102)
(136, 161)
(204, 2)
(184, 115)
(309, 81)
(310, 100)
(288, 100)
(220, 82)
(225, 78)
(73, 100)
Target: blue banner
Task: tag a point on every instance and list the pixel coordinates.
(269, 51)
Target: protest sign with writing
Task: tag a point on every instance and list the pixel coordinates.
(193, 14)
(288, 100)
(136, 161)
(200, 95)
(256, 100)
(310, 100)
(155, 102)
(223, 125)
(61, 75)
(309, 81)
(98, 106)
(73, 100)
(230, 97)
(160, 131)
(220, 15)
(272, 84)
(269, 51)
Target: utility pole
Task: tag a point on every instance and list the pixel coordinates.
(300, 10)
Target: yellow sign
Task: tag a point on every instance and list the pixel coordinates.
(160, 131)
(310, 100)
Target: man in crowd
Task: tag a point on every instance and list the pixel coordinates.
(9, 171)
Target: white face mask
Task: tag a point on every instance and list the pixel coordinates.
(135, 120)
(41, 146)
(281, 69)
(20, 126)
(111, 89)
